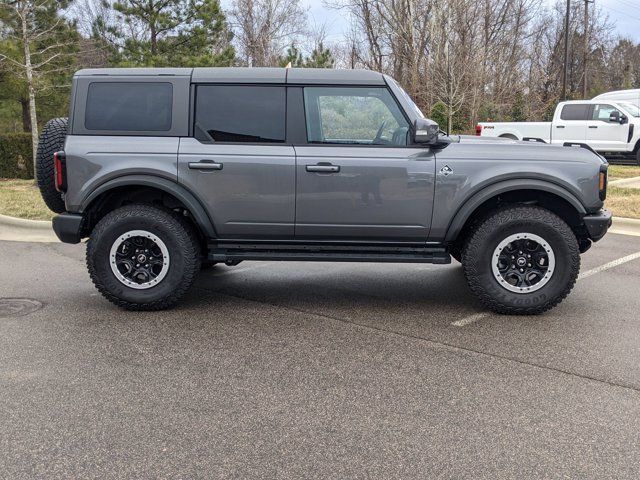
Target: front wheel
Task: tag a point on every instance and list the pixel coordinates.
(521, 260)
(143, 257)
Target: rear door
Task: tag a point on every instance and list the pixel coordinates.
(571, 126)
(604, 135)
(237, 162)
(357, 176)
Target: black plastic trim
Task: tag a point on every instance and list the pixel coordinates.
(598, 223)
(67, 227)
(187, 198)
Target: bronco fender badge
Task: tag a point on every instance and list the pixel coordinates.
(446, 170)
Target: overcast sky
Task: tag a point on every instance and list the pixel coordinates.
(624, 14)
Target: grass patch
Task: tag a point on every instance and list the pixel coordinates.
(21, 198)
(623, 202)
(618, 172)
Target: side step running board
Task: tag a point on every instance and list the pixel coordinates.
(233, 253)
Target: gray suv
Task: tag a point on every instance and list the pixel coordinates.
(169, 170)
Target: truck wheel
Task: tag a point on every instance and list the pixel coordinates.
(142, 257)
(638, 157)
(521, 260)
(51, 140)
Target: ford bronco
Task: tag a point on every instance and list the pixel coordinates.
(169, 170)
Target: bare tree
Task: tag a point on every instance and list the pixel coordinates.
(263, 28)
(39, 30)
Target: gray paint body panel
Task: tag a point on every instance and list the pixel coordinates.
(94, 160)
(478, 165)
(252, 195)
(380, 193)
(238, 75)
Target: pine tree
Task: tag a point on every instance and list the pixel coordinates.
(293, 57)
(169, 33)
(320, 58)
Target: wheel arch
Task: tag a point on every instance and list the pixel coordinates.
(100, 197)
(546, 194)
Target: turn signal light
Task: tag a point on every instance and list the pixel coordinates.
(478, 130)
(602, 182)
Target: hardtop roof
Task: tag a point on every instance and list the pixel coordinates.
(305, 76)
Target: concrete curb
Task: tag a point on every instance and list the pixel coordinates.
(633, 182)
(21, 230)
(625, 226)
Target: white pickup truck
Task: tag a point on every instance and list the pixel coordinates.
(612, 128)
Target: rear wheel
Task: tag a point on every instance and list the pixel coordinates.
(51, 140)
(143, 257)
(638, 156)
(521, 260)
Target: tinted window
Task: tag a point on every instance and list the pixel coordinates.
(129, 106)
(240, 113)
(577, 111)
(362, 116)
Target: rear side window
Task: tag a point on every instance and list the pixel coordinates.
(240, 113)
(575, 111)
(129, 106)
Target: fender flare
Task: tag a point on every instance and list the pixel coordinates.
(171, 187)
(478, 198)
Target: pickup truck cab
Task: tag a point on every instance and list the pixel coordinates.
(612, 128)
(168, 170)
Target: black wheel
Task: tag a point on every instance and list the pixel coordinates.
(51, 140)
(142, 257)
(521, 260)
(638, 157)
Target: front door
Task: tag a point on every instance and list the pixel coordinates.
(605, 135)
(238, 164)
(357, 177)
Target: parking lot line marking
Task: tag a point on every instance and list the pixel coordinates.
(468, 320)
(609, 265)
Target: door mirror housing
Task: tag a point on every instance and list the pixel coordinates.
(614, 117)
(624, 119)
(425, 131)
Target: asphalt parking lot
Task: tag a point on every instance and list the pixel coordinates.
(327, 370)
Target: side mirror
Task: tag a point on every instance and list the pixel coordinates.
(624, 119)
(614, 117)
(426, 131)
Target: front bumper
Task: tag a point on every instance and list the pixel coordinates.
(68, 227)
(597, 224)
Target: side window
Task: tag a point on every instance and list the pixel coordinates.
(129, 106)
(602, 112)
(240, 113)
(575, 111)
(354, 116)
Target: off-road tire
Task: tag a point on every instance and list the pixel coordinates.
(638, 156)
(180, 239)
(51, 140)
(479, 248)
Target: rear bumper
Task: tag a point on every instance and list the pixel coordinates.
(67, 226)
(597, 224)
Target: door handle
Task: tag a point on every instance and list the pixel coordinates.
(593, 126)
(323, 168)
(559, 126)
(205, 165)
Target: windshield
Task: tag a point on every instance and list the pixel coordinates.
(632, 108)
(409, 100)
